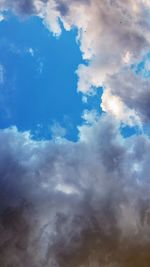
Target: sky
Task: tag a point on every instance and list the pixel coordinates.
(38, 83)
(74, 133)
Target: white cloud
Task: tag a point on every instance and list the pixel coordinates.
(58, 132)
(115, 106)
(2, 74)
(112, 34)
(31, 51)
(2, 17)
(134, 93)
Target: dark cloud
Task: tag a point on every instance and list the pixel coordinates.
(22, 7)
(73, 204)
(63, 7)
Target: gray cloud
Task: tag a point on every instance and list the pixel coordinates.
(73, 204)
(23, 7)
(133, 90)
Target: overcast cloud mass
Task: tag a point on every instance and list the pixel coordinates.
(84, 204)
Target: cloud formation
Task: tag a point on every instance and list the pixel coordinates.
(133, 90)
(74, 204)
(86, 203)
(112, 34)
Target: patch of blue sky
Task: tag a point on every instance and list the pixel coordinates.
(143, 67)
(128, 131)
(40, 80)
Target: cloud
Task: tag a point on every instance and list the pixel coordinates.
(22, 7)
(31, 51)
(91, 196)
(101, 25)
(114, 105)
(134, 92)
(112, 35)
(58, 132)
(2, 71)
(84, 203)
(2, 17)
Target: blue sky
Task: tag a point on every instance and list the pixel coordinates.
(39, 80)
(38, 87)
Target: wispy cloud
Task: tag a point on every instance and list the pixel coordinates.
(2, 17)
(2, 74)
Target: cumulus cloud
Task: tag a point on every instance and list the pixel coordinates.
(75, 204)
(100, 24)
(115, 105)
(112, 34)
(86, 203)
(134, 92)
